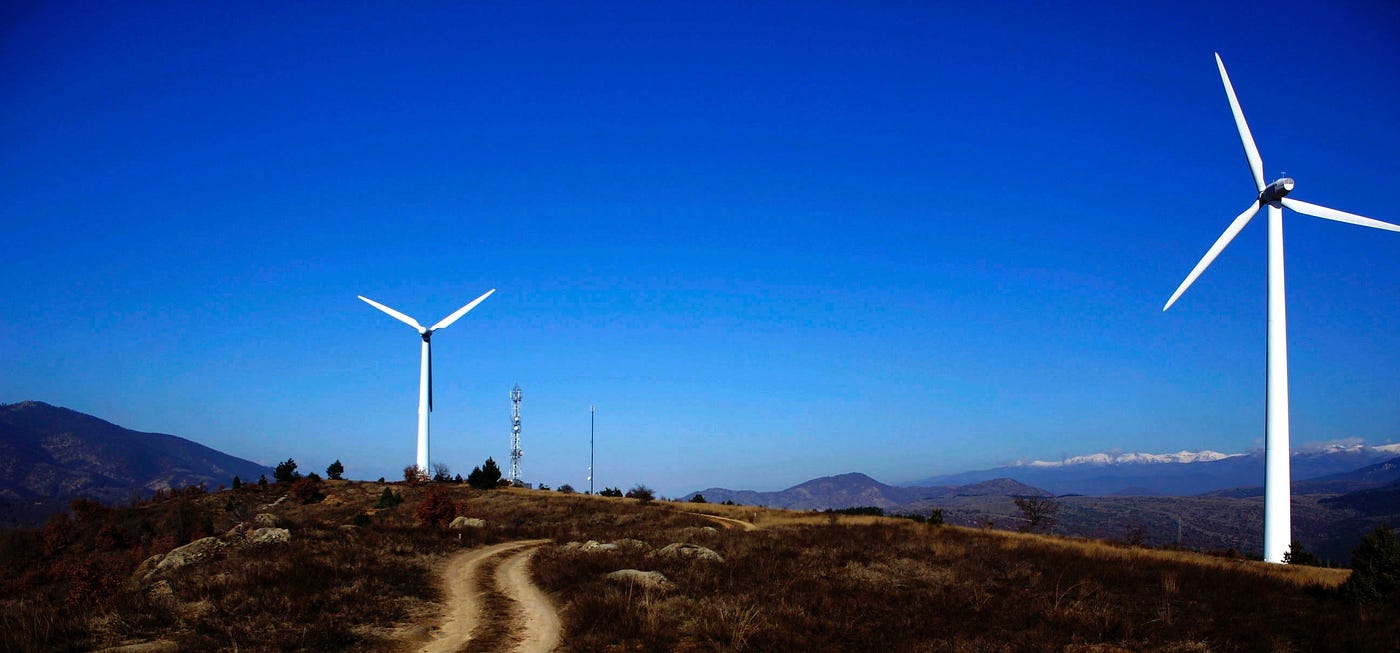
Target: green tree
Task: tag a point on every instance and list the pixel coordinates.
(698, 498)
(486, 477)
(237, 483)
(387, 499)
(336, 471)
(1375, 569)
(1297, 555)
(286, 472)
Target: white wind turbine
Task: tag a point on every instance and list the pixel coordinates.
(425, 373)
(1277, 530)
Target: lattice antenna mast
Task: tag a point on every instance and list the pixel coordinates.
(515, 452)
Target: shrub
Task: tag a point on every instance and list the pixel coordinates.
(262, 482)
(413, 475)
(307, 490)
(335, 471)
(610, 492)
(566, 488)
(1296, 555)
(286, 472)
(387, 499)
(1037, 513)
(641, 493)
(436, 509)
(936, 517)
(237, 483)
(698, 498)
(441, 473)
(1375, 569)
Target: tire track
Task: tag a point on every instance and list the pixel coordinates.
(462, 618)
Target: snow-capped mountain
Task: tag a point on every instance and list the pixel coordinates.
(1133, 459)
(1180, 473)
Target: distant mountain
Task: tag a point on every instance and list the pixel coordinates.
(1179, 474)
(855, 489)
(49, 455)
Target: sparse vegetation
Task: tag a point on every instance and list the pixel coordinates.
(866, 583)
(641, 493)
(413, 475)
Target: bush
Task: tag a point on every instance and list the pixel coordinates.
(307, 490)
(413, 475)
(486, 477)
(566, 489)
(336, 471)
(387, 499)
(1296, 555)
(641, 493)
(441, 473)
(237, 483)
(698, 498)
(936, 517)
(436, 509)
(286, 472)
(1375, 569)
(610, 492)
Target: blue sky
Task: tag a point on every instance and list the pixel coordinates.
(770, 242)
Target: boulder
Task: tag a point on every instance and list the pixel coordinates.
(266, 519)
(644, 579)
(594, 546)
(463, 523)
(268, 536)
(687, 550)
(195, 552)
(629, 543)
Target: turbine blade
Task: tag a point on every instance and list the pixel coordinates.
(1333, 214)
(447, 321)
(1256, 165)
(393, 313)
(1219, 246)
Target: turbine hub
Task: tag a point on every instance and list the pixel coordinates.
(427, 335)
(1276, 191)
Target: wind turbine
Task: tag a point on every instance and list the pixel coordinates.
(425, 373)
(1277, 513)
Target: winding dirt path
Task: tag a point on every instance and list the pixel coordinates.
(727, 522)
(538, 623)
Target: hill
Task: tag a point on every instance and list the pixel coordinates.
(334, 567)
(49, 455)
(858, 490)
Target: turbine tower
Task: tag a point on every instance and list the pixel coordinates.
(425, 367)
(515, 452)
(1277, 511)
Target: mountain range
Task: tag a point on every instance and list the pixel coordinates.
(50, 455)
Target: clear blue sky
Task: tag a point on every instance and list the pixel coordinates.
(769, 242)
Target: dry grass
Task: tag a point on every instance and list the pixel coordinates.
(805, 582)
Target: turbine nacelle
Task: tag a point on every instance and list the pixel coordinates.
(1276, 191)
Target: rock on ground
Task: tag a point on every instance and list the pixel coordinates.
(463, 523)
(683, 549)
(646, 579)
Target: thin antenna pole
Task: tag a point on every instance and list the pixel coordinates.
(590, 448)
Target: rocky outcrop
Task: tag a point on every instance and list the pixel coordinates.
(687, 550)
(264, 536)
(201, 550)
(463, 523)
(644, 579)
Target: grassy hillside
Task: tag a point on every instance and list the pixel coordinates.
(357, 577)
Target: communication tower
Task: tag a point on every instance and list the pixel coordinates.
(515, 452)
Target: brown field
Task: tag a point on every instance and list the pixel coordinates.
(354, 577)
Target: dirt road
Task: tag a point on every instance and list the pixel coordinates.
(535, 627)
(727, 522)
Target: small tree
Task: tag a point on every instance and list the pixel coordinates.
(566, 489)
(698, 498)
(935, 518)
(610, 492)
(262, 482)
(441, 473)
(387, 499)
(336, 471)
(641, 493)
(237, 483)
(1375, 569)
(413, 475)
(436, 509)
(1038, 512)
(1297, 555)
(286, 472)
(486, 477)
